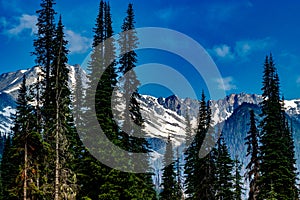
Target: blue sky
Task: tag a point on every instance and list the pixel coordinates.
(236, 34)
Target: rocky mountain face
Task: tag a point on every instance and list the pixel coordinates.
(10, 83)
(166, 116)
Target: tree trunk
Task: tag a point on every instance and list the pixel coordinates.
(57, 158)
(25, 171)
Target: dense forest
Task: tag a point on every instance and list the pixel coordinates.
(43, 157)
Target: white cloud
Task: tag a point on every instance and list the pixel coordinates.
(242, 48)
(223, 51)
(3, 22)
(298, 81)
(25, 22)
(246, 47)
(226, 83)
(77, 42)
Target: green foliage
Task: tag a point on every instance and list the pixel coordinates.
(200, 172)
(43, 45)
(133, 138)
(8, 170)
(278, 174)
(170, 189)
(224, 168)
(252, 169)
(237, 181)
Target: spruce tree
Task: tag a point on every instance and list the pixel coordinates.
(199, 171)
(44, 52)
(43, 45)
(95, 174)
(252, 168)
(64, 138)
(277, 150)
(133, 139)
(237, 181)
(224, 168)
(90, 176)
(24, 149)
(9, 171)
(169, 184)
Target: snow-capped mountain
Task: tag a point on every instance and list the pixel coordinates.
(165, 116)
(10, 83)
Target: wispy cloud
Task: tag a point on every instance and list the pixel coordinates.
(242, 48)
(246, 47)
(223, 51)
(25, 22)
(77, 42)
(226, 83)
(3, 22)
(298, 81)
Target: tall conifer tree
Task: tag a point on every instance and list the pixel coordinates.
(44, 51)
(9, 171)
(64, 137)
(141, 184)
(169, 184)
(252, 168)
(199, 171)
(224, 169)
(277, 150)
(237, 181)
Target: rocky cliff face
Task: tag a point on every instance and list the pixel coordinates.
(166, 116)
(163, 116)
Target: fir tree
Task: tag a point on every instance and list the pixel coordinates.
(252, 169)
(65, 139)
(44, 51)
(133, 138)
(224, 168)
(169, 184)
(277, 150)
(237, 182)
(102, 59)
(26, 147)
(199, 171)
(9, 171)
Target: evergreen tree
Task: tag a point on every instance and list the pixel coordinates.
(24, 149)
(224, 168)
(133, 139)
(200, 171)
(237, 183)
(65, 140)
(95, 174)
(44, 51)
(252, 169)
(277, 150)
(90, 176)
(9, 170)
(169, 184)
